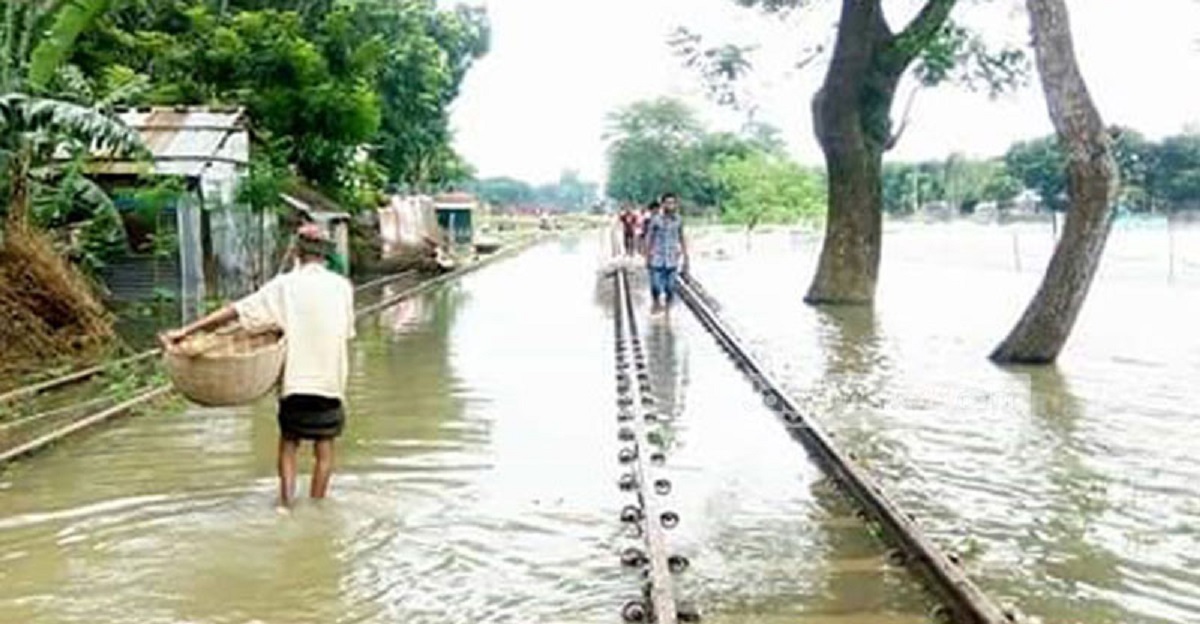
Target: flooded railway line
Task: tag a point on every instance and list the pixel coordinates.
(706, 504)
(962, 601)
(643, 453)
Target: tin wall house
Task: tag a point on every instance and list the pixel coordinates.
(456, 217)
(224, 249)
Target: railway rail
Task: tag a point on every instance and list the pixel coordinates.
(649, 517)
(962, 600)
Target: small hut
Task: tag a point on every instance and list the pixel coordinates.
(220, 247)
(456, 217)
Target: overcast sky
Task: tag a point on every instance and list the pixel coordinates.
(537, 103)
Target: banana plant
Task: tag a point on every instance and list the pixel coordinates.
(36, 127)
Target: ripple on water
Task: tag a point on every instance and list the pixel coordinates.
(1069, 488)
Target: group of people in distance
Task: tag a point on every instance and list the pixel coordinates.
(656, 233)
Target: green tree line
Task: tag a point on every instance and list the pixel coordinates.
(570, 193)
(354, 95)
(660, 146)
(1156, 176)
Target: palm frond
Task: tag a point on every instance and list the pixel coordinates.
(121, 85)
(88, 125)
(70, 83)
(52, 51)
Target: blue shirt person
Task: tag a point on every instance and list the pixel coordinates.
(666, 252)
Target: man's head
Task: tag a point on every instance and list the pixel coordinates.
(311, 243)
(653, 206)
(670, 203)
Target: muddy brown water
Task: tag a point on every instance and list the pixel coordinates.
(477, 477)
(477, 482)
(1072, 491)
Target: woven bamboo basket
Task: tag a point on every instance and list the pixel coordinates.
(230, 366)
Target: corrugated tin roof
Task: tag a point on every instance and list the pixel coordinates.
(456, 197)
(184, 140)
(314, 212)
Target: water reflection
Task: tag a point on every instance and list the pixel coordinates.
(854, 380)
(1068, 497)
(668, 364)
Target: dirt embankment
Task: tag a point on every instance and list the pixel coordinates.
(49, 311)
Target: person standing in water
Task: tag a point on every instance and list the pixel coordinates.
(629, 229)
(314, 307)
(666, 252)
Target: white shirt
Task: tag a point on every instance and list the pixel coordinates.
(315, 308)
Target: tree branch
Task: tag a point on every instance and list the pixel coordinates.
(899, 132)
(905, 46)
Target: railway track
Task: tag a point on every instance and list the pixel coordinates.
(38, 415)
(961, 600)
(642, 455)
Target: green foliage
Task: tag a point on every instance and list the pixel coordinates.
(319, 79)
(649, 147)
(570, 193)
(1174, 177)
(35, 40)
(503, 191)
(766, 188)
(659, 146)
(71, 19)
(958, 55)
(1040, 166)
(1154, 176)
(266, 178)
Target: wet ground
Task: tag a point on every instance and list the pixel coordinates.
(1072, 491)
(477, 482)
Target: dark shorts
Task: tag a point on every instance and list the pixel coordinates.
(308, 417)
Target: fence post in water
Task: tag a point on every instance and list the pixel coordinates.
(191, 258)
(1016, 251)
(1170, 251)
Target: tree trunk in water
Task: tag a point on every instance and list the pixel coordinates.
(851, 120)
(1091, 185)
(849, 264)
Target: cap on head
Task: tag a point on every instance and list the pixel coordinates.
(311, 241)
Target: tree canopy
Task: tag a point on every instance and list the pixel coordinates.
(320, 79)
(570, 194)
(660, 146)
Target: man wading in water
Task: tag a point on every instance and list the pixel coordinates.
(665, 249)
(315, 309)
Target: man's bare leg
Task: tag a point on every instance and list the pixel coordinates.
(323, 470)
(287, 471)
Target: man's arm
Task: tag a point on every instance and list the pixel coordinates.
(226, 314)
(687, 262)
(257, 309)
(648, 239)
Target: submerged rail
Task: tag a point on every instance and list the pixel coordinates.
(648, 517)
(964, 601)
(644, 454)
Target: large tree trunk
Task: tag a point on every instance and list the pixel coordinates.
(849, 100)
(851, 116)
(1091, 185)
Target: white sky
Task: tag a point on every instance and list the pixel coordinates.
(537, 103)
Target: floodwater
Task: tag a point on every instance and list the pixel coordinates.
(1073, 491)
(476, 482)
